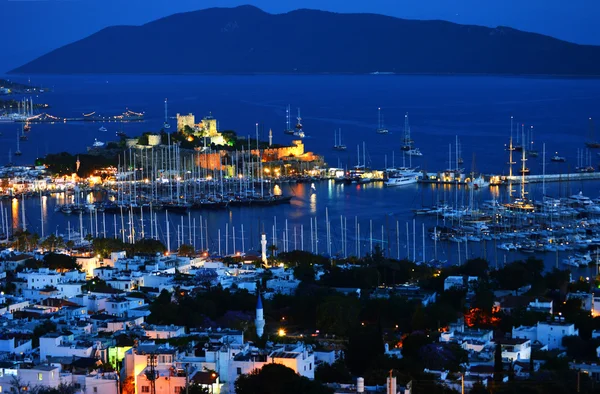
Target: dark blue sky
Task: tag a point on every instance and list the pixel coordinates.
(30, 28)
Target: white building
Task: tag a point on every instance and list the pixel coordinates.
(10, 344)
(541, 305)
(515, 349)
(57, 345)
(460, 282)
(549, 334)
(164, 332)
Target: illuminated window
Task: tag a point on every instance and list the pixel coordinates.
(40, 377)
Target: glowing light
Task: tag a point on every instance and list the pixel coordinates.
(281, 332)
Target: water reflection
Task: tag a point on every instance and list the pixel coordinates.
(277, 190)
(313, 203)
(44, 210)
(15, 213)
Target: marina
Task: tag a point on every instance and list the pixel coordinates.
(458, 212)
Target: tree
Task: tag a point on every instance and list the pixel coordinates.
(17, 385)
(498, 367)
(336, 314)
(277, 379)
(186, 250)
(41, 330)
(57, 261)
(333, 373)
(62, 388)
(198, 389)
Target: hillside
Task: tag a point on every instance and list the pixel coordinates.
(247, 40)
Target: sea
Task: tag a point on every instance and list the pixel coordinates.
(476, 110)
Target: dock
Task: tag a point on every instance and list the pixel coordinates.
(578, 176)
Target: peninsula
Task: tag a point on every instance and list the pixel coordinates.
(246, 40)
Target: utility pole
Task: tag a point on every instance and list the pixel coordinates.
(187, 378)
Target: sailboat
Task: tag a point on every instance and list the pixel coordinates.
(460, 159)
(530, 151)
(18, 151)
(337, 144)
(381, 129)
(558, 159)
(592, 142)
(23, 136)
(299, 132)
(102, 128)
(166, 124)
(288, 122)
(406, 141)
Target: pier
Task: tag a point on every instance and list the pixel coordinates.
(578, 176)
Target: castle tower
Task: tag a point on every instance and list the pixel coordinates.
(259, 322)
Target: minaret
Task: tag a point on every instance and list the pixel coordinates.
(263, 243)
(270, 137)
(259, 322)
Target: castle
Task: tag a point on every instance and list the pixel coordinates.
(207, 127)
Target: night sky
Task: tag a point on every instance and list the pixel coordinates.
(29, 28)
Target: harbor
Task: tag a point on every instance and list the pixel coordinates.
(355, 192)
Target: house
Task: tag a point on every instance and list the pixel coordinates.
(460, 282)
(15, 343)
(541, 305)
(586, 299)
(164, 332)
(410, 292)
(549, 333)
(514, 349)
(41, 375)
(59, 345)
(298, 357)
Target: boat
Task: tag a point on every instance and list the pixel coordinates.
(592, 142)
(18, 151)
(288, 123)
(414, 152)
(479, 182)
(337, 144)
(400, 181)
(524, 171)
(166, 125)
(298, 132)
(406, 141)
(558, 159)
(102, 128)
(23, 136)
(98, 144)
(381, 129)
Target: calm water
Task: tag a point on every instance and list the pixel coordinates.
(476, 109)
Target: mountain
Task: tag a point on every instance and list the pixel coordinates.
(247, 40)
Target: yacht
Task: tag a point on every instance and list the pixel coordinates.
(401, 180)
(479, 182)
(98, 144)
(288, 123)
(558, 159)
(102, 128)
(381, 129)
(337, 136)
(580, 199)
(414, 152)
(299, 132)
